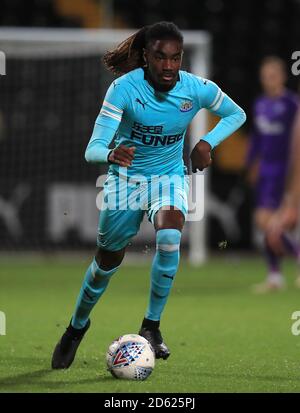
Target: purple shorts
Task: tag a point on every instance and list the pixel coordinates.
(269, 191)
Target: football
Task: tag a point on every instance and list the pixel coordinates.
(130, 357)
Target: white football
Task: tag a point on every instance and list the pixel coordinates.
(130, 357)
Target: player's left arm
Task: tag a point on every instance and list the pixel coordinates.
(232, 117)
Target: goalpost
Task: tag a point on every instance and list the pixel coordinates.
(37, 97)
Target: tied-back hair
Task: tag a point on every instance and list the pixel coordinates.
(128, 55)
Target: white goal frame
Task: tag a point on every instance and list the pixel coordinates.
(19, 41)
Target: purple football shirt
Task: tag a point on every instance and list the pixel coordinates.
(270, 141)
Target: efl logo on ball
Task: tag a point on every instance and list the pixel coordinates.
(130, 357)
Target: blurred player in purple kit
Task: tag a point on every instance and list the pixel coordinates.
(273, 116)
(288, 215)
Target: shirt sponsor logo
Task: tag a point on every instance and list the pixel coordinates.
(153, 135)
(268, 127)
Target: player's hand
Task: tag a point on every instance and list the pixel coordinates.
(285, 220)
(289, 216)
(201, 156)
(122, 155)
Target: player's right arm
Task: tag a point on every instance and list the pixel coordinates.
(105, 128)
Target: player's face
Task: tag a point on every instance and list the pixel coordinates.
(272, 77)
(163, 58)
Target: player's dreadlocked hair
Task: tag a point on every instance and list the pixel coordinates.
(128, 55)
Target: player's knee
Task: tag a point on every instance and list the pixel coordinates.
(262, 219)
(100, 274)
(108, 260)
(169, 218)
(168, 240)
(261, 223)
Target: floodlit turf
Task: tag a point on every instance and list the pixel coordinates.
(223, 338)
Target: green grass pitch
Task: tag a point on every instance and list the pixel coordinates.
(223, 338)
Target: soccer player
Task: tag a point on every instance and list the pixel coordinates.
(287, 217)
(274, 114)
(147, 110)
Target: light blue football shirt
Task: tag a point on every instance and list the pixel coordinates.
(156, 122)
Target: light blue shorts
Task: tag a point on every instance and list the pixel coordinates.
(125, 201)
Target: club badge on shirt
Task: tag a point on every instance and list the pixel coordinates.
(186, 106)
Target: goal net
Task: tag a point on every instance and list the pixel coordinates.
(51, 92)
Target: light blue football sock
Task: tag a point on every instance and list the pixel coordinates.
(94, 285)
(164, 268)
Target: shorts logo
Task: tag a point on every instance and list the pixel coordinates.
(186, 106)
